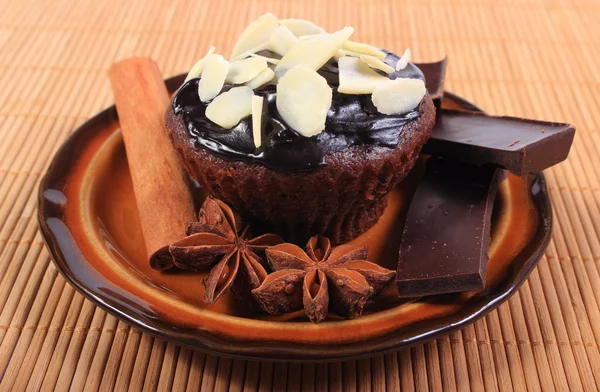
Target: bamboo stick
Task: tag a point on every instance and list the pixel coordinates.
(117, 351)
(252, 374)
(525, 346)
(167, 372)
(15, 343)
(69, 344)
(280, 374)
(223, 374)
(98, 362)
(209, 375)
(87, 351)
(419, 368)
(446, 364)
(460, 362)
(433, 365)
(196, 371)
(295, 376)
(392, 373)
(142, 358)
(335, 376)
(182, 370)
(238, 371)
(51, 321)
(127, 361)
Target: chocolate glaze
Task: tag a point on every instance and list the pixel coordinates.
(352, 120)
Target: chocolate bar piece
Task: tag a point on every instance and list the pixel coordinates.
(519, 145)
(435, 73)
(447, 232)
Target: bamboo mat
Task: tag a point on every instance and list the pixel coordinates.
(533, 58)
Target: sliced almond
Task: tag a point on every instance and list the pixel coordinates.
(403, 61)
(196, 70)
(244, 70)
(257, 109)
(282, 40)
(269, 60)
(301, 27)
(313, 53)
(250, 52)
(257, 33)
(340, 53)
(264, 77)
(229, 108)
(311, 36)
(345, 52)
(375, 63)
(398, 96)
(303, 100)
(356, 77)
(361, 48)
(213, 77)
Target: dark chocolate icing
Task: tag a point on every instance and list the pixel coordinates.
(352, 120)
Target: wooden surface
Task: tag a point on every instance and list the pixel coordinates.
(533, 58)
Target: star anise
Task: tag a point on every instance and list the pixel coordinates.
(321, 279)
(235, 258)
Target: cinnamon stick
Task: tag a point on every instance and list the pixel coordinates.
(162, 194)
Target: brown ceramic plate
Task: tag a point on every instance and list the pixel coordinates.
(89, 220)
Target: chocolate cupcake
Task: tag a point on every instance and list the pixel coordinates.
(304, 131)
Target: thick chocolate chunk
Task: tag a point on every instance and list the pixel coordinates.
(519, 145)
(435, 73)
(447, 231)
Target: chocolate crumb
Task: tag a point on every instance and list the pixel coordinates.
(513, 143)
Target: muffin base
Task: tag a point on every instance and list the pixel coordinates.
(340, 200)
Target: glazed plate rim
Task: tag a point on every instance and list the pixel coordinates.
(207, 342)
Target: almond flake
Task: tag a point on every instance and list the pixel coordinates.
(250, 52)
(282, 40)
(264, 77)
(213, 77)
(229, 108)
(345, 52)
(361, 48)
(303, 100)
(315, 52)
(340, 53)
(244, 70)
(267, 59)
(300, 27)
(374, 62)
(257, 33)
(356, 77)
(196, 70)
(311, 36)
(403, 61)
(398, 96)
(257, 108)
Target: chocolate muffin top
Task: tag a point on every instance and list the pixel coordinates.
(351, 120)
(293, 123)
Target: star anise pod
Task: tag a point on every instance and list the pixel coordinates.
(235, 258)
(321, 279)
